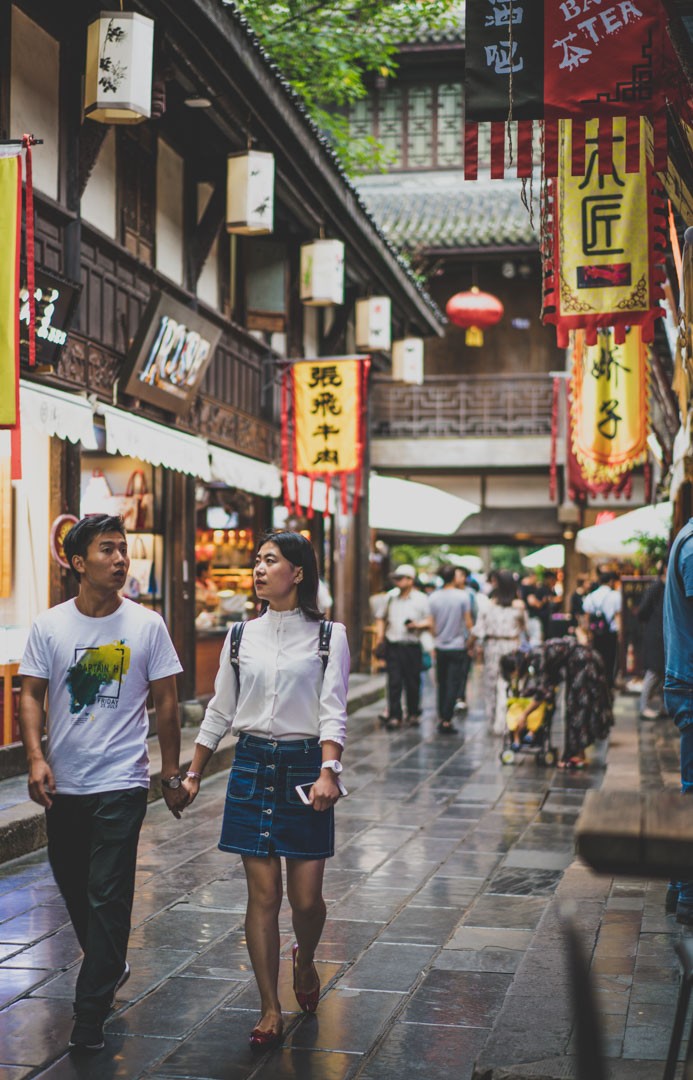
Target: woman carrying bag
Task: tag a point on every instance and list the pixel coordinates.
(287, 704)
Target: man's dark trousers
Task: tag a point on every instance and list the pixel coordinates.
(92, 849)
(607, 647)
(404, 664)
(451, 668)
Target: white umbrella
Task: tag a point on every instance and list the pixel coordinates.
(614, 539)
(403, 506)
(551, 557)
(469, 562)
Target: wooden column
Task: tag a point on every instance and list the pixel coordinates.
(179, 573)
(64, 496)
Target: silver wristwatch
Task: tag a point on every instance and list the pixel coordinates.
(173, 782)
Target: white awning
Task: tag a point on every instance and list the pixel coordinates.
(133, 436)
(615, 539)
(403, 506)
(238, 471)
(551, 557)
(68, 416)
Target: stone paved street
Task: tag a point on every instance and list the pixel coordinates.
(443, 946)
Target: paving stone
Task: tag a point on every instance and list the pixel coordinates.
(181, 926)
(33, 1031)
(57, 951)
(421, 926)
(349, 1020)
(417, 1050)
(386, 966)
(33, 924)
(173, 1009)
(15, 982)
(519, 913)
(123, 1058)
(457, 998)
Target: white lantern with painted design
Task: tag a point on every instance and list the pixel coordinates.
(373, 323)
(250, 193)
(322, 273)
(118, 80)
(408, 360)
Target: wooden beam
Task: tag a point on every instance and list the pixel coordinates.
(207, 231)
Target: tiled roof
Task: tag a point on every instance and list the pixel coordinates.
(451, 32)
(442, 210)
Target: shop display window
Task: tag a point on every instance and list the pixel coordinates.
(225, 542)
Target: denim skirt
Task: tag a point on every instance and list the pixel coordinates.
(263, 813)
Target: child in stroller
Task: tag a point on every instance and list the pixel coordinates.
(529, 709)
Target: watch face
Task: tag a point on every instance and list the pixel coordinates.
(174, 782)
(336, 766)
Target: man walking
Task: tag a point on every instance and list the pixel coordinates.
(452, 623)
(98, 657)
(678, 683)
(603, 610)
(402, 619)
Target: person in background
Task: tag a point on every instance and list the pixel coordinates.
(403, 618)
(576, 600)
(602, 612)
(452, 624)
(470, 587)
(290, 715)
(98, 657)
(650, 611)
(534, 597)
(206, 591)
(499, 629)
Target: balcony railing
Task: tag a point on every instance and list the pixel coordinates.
(471, 406)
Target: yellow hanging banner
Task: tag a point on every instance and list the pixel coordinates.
(610, 419)
(10, 235)
(327, 416)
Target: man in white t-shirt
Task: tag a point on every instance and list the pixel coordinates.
(98, 657)
(401, 619)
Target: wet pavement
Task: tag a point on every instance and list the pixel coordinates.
(443, 953)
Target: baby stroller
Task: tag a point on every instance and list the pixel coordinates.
(521, 670)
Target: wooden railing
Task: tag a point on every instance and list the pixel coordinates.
(471, 406)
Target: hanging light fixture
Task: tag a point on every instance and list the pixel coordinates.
(250, 193)
(322, 273)
(373, 322)
(118, 79)
(474, 311)
(408, 360)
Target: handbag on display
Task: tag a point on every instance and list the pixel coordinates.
(136, 506)
(139, 578)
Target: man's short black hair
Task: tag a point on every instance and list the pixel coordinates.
(447, 573)
(83, 532)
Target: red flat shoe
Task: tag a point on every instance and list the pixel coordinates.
(265, 1040)
(309, 1001)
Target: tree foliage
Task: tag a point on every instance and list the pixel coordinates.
(328, 49)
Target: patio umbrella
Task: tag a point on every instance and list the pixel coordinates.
(551, 557)
(614, 539)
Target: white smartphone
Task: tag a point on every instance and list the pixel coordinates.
(303, 789)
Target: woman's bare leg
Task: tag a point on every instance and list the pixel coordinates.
(264, 877)
(308, 912)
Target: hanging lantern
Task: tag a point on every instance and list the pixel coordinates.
(373, 323)
(408, 360)
(322, 273)
(118, 82)
(250, 193)
(474, 311)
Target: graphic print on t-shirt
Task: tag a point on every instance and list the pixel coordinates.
(97, 674)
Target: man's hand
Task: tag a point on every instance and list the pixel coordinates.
(41, 783)
(176, 799)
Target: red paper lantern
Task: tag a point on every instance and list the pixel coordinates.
(473, 311)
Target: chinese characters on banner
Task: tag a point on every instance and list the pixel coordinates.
(10, 231)
(606, 237)
(609, 405)
(503, 66)
(325, 425)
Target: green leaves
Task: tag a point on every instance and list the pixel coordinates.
(327, 49)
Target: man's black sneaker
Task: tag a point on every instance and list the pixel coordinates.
(86, 1037)
(121, 982)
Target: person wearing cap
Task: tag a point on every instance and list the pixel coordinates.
(403, 617)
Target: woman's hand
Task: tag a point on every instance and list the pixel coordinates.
(324, 792)
(192, 786)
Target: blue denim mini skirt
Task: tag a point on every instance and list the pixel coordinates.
(263, 813)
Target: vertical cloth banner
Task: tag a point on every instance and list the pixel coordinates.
(324, 424)
(10, 231)
(604, 242)
(609, 407)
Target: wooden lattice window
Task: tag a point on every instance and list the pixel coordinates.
(419, 125)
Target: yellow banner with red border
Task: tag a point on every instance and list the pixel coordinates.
(327, 414)
(10, 232)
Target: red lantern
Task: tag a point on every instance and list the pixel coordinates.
(474, 310)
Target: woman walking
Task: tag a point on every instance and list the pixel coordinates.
(499, 629)
(287, 704)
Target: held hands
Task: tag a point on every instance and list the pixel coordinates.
(176, 799)
(191, 786)
(324, 792)
(41, 783)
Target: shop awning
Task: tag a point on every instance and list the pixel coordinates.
(68, 416)
(237, 471)
(614, 539)
(133, 436)
(551, 557)
(403, 506)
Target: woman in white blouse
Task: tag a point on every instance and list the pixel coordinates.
(290, 715)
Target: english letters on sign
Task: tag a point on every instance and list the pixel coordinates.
(176, 356)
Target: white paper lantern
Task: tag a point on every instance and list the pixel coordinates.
(322, 273)
(408, 360)
(118, 81)
(250, 193)
(373, 323)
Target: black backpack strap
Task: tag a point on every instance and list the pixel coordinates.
(234, 649)
(324, 645)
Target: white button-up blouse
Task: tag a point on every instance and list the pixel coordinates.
(283, 694)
